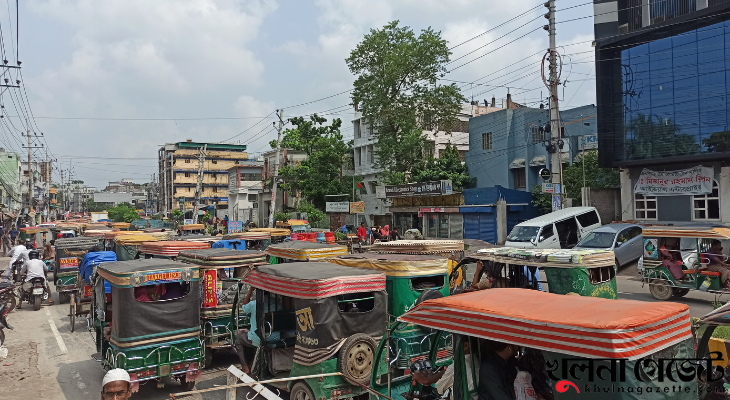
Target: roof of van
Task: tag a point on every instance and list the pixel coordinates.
(556, 215)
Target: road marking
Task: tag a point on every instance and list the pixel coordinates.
(59, 339)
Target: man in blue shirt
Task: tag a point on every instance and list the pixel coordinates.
(246, 339)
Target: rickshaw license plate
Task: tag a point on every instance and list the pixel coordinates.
(37, 290)
(340, 392)
(85, 307)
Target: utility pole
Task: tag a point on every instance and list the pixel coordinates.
(30, 175)
(199, 186)
(552, 83)
(276, 168)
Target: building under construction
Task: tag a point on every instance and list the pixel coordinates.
(179, 164)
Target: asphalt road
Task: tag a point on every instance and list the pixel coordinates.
(47, 361)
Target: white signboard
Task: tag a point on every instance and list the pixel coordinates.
(188, 221)
(337, 206)
(588, 142)
(697, 180)
(550, 187)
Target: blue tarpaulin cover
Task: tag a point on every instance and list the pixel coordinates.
(229, 244)
(92, 259)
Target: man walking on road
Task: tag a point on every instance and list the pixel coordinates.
(6, 243)
(13, 235)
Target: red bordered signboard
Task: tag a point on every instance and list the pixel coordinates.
(69, 262)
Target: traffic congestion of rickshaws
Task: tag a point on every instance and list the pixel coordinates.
(404, 319)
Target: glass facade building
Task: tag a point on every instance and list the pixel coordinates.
(675, 94)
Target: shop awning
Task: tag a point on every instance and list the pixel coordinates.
(537, 161)
(517, 163)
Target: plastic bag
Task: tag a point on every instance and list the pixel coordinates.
(523, 386)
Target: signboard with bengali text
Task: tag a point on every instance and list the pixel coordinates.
(357, 207)
(69, 262)
(692, 181)
(235, 226)
(337, 206)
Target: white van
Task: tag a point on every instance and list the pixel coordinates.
(560, 229)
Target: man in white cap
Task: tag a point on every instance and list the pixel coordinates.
(116, 385)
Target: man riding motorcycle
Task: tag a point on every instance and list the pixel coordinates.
(17, 253)
(35, 268)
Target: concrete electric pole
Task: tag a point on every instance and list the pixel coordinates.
(30, 175)
(555, 127)
(199, 185)
(276, 169)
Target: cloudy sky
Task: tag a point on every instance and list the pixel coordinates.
(110, 81)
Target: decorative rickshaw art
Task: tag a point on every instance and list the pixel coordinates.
(69, 253)
(573, 347)
(163, 337)
(221, 271)
(317, 318)
(689, 248)
(299, 250)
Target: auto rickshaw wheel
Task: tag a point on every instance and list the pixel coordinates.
(2, 337)
(63, 297)
(679, 292)
(186, 384)
(301, 391)
(72, 311)
(357, 357)
(660, 289)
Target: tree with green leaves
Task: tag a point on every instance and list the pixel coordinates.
(658, 138)
(327, 152)
(123, 213)
(398, 93)
(92, 206)
(718, 142)
(447, 166)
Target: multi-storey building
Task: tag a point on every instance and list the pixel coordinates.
(10, 173)
(663, 97)
(178, 174)
(245, 185)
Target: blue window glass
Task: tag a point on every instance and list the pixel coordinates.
(675, 94)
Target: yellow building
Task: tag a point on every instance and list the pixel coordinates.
(179, 164)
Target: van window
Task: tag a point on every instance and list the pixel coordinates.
(547, 232)
(588, 219)
(567, 232)
(634, 232)
(523, 234)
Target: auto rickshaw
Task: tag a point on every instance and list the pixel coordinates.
(69, 253)
(294, 225)
(253, 240)
(583, 272)
(690, 248)
(277, 234)
(572, 347)
(80, 303)
(317, 318)
(38, 236)
(169, 249)
(221, 271)
(192, 229)
(407, 275)
(122, 226)
(151, 329)
(129, 247)
(299, 250)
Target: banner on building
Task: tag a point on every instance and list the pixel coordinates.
(696, 180)
(337, 206)
(357, 207)
(235, 226)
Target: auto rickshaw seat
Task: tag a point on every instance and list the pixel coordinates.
(710, 273)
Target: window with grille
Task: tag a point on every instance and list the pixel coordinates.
(520, 178)
(187, 161)
(707, 206)
(487, 141)
(538, 136)
(187, 174)
(645, 207)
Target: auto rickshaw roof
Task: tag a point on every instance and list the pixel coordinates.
(140, 272)
(247, 236)
(396, 265)
(687, 232)
(67, 243)
(315, 280)
(418, 246)
(171, 248)
(560, 258)
(192, 227)
(222, 258)
(276, 232)
(136, 239)
(582, 326)
(303, 250)
(34, 229)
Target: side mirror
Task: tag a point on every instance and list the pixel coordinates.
(542, 238)
(618, 244)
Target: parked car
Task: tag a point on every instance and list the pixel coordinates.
(625, 240)
(560, 229)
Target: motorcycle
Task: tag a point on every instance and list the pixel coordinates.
(34, 295)
(3, 322)
(7, 295)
